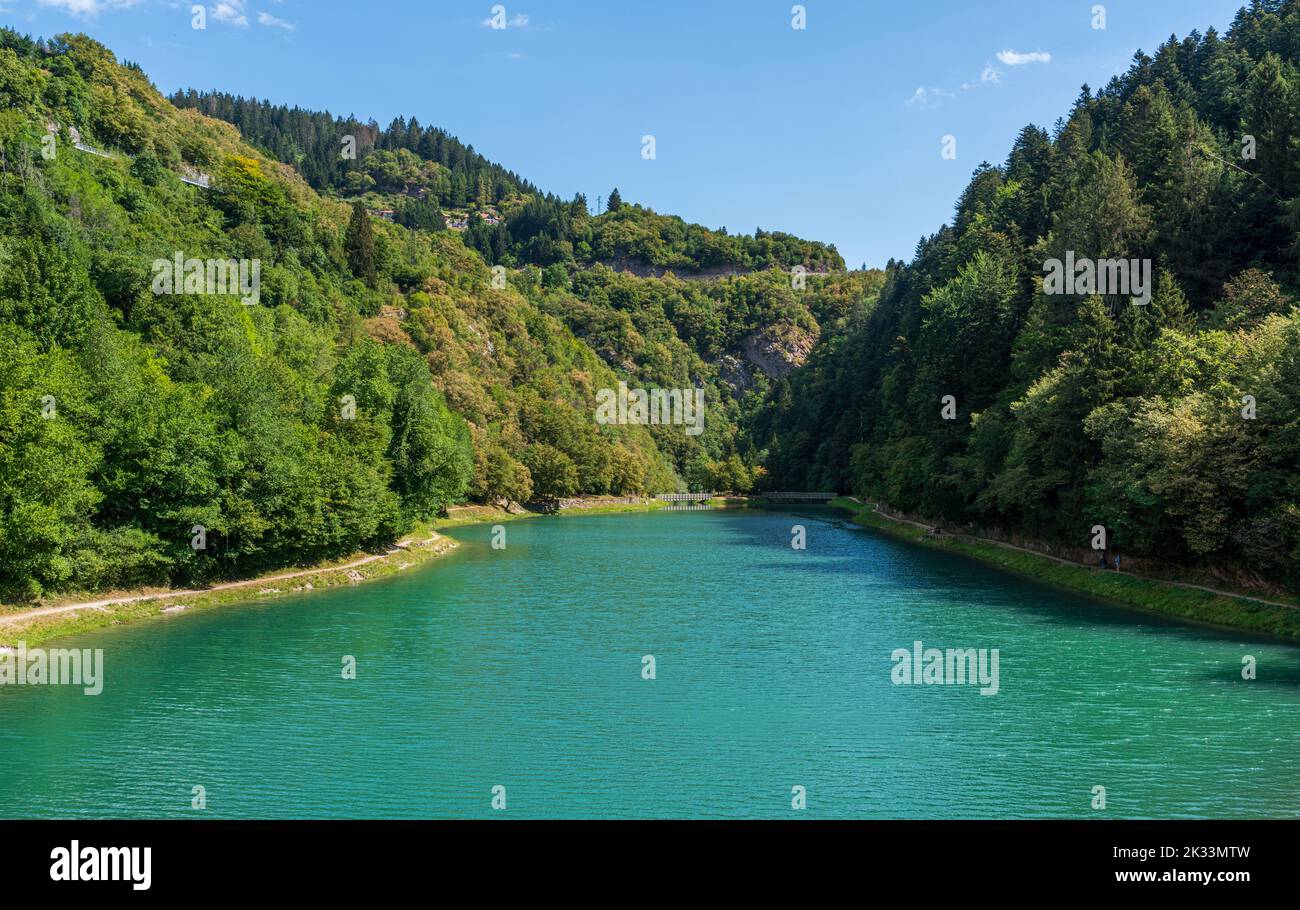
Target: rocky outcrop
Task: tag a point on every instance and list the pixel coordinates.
(779, 350)
(645, 270)
(736, 373)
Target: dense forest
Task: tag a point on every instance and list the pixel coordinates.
(429, 328)
(1174, 424)
(423, 174)
(346, 155)
(157, 432)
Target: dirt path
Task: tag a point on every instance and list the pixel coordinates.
(1078, 565)
(103, 605)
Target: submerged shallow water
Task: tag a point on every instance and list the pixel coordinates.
(523, 669)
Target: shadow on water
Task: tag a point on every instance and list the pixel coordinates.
(1270, 676)
(948, 573)
(836, 547)
(523, 665)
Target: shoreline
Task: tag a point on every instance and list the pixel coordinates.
(73, 613)
(38, 625)
(1225, 610)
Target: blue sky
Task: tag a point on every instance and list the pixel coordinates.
(832, 132)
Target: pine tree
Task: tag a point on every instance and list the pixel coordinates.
(360, 245)
(615, 201)
(1269, 116)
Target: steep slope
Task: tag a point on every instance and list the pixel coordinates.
(153, 432)
(612, 278)
(420, 173)
(355, 374)
(1175, 424)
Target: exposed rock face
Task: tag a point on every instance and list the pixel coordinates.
(778, 350)
(735, 373)
(645, 270)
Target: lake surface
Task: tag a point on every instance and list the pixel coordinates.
(523, 668)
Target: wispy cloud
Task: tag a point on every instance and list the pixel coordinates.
(518, 20)
(231, 12)
(990, 75)
(87, 9)
(924, 96)
(1015, 58)
(268, 20)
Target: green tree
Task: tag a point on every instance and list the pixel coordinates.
(553, 473)
(46, 462)
(359, 243)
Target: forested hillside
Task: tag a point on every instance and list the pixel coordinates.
(155, 432)
(1174, 424)
(423, 174)
(453, 174)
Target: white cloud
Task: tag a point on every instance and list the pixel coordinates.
(1014, 58)
(924, 96)
(88, 8)
(518, 20)
(269, 20)
(231, 11)
(990, 75)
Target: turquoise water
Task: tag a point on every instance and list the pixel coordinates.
(522, 669)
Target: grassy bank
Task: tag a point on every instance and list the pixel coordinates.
(1148, 595)
(164, 603)
(425, 544)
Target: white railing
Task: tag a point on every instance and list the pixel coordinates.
(798, 497)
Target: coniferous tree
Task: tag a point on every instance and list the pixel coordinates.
(359, 244)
